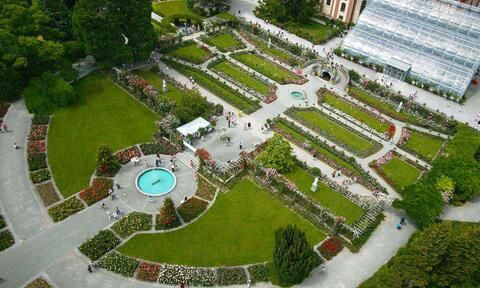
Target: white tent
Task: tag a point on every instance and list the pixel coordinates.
(191, 128)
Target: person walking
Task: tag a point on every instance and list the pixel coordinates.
(89, 268)
(240, 145)
(5, 128)
(15, 146)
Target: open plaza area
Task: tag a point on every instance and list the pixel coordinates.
(244, 144)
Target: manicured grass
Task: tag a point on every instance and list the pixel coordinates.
(104, 114)
(272, 51)
(400, 173)
(325, 195)
(385, 108)
(356, 113)
(190, 53)
(155, 80)
(312, 31)
(242, 76)
(218, 88)
(320, 121)
(423, 144)
(224, 42)
(238, 229)
(172, 7)
(267, 68)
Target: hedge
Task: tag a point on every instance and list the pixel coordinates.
(99, 245)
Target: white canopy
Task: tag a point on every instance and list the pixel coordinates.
(191, 128)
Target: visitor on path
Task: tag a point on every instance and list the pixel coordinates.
(184, 200)
(192, 164)
(314, 156)
(15, 146)
(89, 268)
(109, 215)
(249, 125)
(150, 199)
(103, 205)
(240, 145)
(118, 186)
(4, 128)
(173, 167)
(402, 221)
(399, 226)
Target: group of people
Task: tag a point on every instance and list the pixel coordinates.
(230, 117)
(401, 223)
(118, 213)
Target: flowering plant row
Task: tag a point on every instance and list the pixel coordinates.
(36, 146)
(132, 223)
(231, 276)
(97, 191)
(119, 263)
(162, 146)
(38, 132)
(330, 248)
(258, 273)
(99, 245)
(39, 283)
(124, 156)
(177, 275)
(66, 208)
(40, 176)
(148, 272)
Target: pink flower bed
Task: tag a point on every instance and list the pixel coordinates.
(34, 147)
(384, 159)
(272, 95)
(148, 272)
(404, 137)
(38, 132)
(125, 155)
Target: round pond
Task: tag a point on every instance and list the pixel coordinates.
(155, 182)
(298, 95)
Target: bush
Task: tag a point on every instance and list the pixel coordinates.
(231, 276)
(65, 209)
(107, 164)
(177, 275)
(119, 263)
(40, 176)
(44, 94)
(293, 257)
(218, 109)
(148, 272)
(3, 223)
(96, 192)
(330, 248)
(163, 147)
(124, 156)
(99, 245)
(191, 209)
(278, 155)
(6, 239)
(37, 161)
(38, 283)
(168, 216)
(132, 223)
(258, 273)
(40, 119)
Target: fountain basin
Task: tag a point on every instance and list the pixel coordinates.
(298, 95)
(155, 182)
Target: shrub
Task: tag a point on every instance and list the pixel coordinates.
(40, 119)
(96, 192)
(177, 275)
(47, 193)
(477, 154)
(163, 147)
(293, 257)
(44, 94)
(278, 155)
(168, 216)
(6, 239)
(40, 176)
(231, 276)
(205, 190)
(219, 109)
(38, 283)
(107, 164)
(258, 273)
(132, 223)
(330, 248)
(65, 209)
(99, 245)
(190, 209)
(37, 161)
(148, 272)
(119, 263)
(3, 224)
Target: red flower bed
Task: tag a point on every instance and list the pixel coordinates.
(97, 191)
(125, 155)
(331, 247)
(148, 272)
(38, 133)
(35, 147)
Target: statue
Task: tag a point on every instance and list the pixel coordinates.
(269, 42)
(314, 185)
(399, 107)
(164, 86)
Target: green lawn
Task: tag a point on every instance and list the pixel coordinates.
(400, 173)
(272, 51)
(104, 114)
(238, 229)
(424, 145)
(267, 68)
(172, 7)
(242, 76)
(190, 53)
(325, 195)
(312, 31)
(356, 113)
(155, 80)
(336, 131)
(224, 42)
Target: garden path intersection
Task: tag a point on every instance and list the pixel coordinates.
(46, 249)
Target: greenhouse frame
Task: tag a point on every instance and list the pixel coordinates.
(434, 42)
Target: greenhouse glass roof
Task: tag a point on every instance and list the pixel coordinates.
(438, 40)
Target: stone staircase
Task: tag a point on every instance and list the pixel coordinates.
(361, 224)
(186, 157)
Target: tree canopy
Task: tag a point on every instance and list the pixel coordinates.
(278, 155)
(283, 11)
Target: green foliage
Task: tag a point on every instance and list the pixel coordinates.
(46, 93)
(191, 209)
(444, 255)
(40, 176)
(37, 161)
(98, 245)
(258, 273)
(231, 276)
(293, 257)
(278, 155)
(3, 224)
(445, 183)
(132, 223)
(286, 10)
(168, 215)
(119, 263)
(477, 154)
(65, 209)
(6, 239)
(102, 25)
(40, 120)
(107, 163)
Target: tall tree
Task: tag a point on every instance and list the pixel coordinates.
(115, 31)
(278, 155)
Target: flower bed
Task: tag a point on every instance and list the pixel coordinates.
(231, 276)
(6, 239)
(38, 132)
(37, 161)
(177, 275)
(65, 209)
(148, 272)
(97, 191)
(99, 245)
(330, 248)
(191, 209)
(132, 223)
(163, 147)
(35, 147)
(38, 283)
(125, 155)
(3, 109)
(258, 273)
(40, 120)
(47, 193)
(40, 176)
(119, 263)
(205, 190)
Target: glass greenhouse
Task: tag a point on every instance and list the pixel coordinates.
(428, 41)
